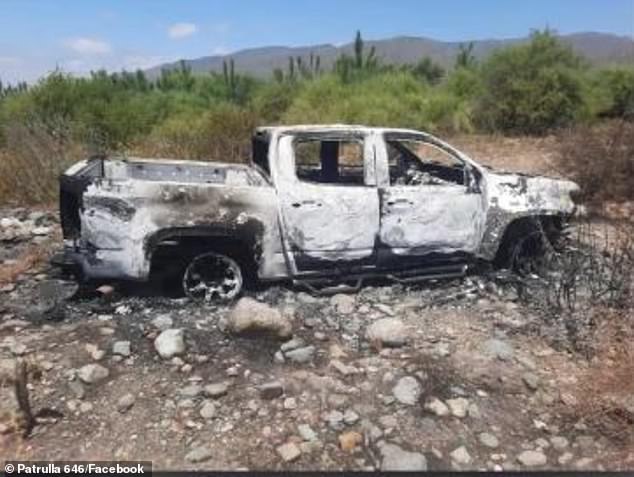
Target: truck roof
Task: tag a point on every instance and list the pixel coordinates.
(359, 128)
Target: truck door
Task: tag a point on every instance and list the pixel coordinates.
(430, 206)
(329, 202)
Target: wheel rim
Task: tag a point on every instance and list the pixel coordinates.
(212, 277)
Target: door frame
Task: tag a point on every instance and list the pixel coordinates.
(473, 183)
(285, 178)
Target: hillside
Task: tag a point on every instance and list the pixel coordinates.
(599, 48)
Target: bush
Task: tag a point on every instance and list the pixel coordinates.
(221, 134)
(532, 88)
(600, 159)
(616, 89)
(397, 99)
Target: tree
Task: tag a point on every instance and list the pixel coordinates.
(465, 57)
(532, 88)
(428, 70)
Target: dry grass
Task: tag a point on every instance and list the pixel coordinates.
(29, 259)
(600, 159)
(32, 161)
(533, 155)
(605, 392)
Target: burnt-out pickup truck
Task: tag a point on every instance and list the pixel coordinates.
(317, 205)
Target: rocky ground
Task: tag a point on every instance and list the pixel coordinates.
(447, 375)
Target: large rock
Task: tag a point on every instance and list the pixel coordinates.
(407, 390)
(393, 458)
(252, 317)
(93, 373)
(170, 343)
(387, 331)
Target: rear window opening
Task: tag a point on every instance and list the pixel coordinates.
(329, 161)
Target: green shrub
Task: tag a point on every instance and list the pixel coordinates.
(532, 88)
(615, 87)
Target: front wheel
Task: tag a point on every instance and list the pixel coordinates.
(212, 277)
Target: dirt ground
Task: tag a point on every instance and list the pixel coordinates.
(473, 378)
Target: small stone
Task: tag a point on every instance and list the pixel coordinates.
(290, 403)
(458, 407)
(85, 407)
(292, 344)
(437, 407)
(395, 459)
(191, 391)
(488, 440)
(499, 349)
(271, 390)
(559, 442)
(208, 410)
(278, 357)
(125, 402)
(343, 304)
(407, 390)
(39, 231)
(289, 451)
(78, 389)
(18, 349)
(348, 441)
(461, 456)
(306, 432)
(584, 463)
(531, 380)
(532, 458)
(342, 368)
(334, 419)
(93, 373)
(216, 390)
(565, 458)
(198, 454)
(170, 343)
(301, 355)
(121, 348)
(350, 417)
(388, 332)
(163, 322)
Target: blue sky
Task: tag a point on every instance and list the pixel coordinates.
(36, 36)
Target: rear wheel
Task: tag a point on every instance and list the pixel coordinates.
(212, 277)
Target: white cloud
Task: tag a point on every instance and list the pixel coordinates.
(88, 46)
(181, 30)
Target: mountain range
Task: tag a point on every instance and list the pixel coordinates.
(598, 48)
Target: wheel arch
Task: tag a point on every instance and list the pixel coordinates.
(181, 244)
(548, 224)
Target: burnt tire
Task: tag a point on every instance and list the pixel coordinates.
(212, 278)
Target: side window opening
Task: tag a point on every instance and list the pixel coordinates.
(329, 161)
(413, 162)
